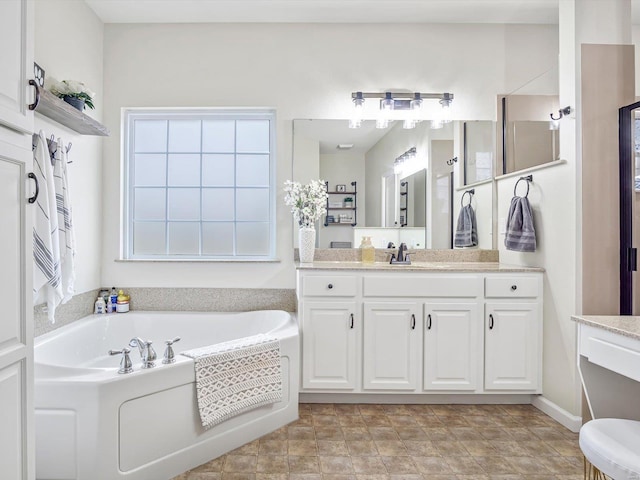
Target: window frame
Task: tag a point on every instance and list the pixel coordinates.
(129, 116)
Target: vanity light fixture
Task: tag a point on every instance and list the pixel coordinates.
(400, 162)
(393, 101)
(561, 113)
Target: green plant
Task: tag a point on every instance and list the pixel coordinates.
(73, 88)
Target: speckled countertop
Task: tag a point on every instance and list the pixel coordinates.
(626, 325)
(476, 267)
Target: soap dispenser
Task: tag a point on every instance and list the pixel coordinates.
(367, 250)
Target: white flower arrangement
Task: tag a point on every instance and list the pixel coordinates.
(308, 202)
(73, 88)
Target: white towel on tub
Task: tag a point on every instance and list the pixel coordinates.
(236, 376)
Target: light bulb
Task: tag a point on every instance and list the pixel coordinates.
(386, 104)
(355, 123)
(409, 124)
(416, 103)
(382, 123)
(436, 124)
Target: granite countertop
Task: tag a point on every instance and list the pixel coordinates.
(418, 266)
(626, 325)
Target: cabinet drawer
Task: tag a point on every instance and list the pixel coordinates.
(422, 286)
(329, 286)
(511, 287)
(610, 350)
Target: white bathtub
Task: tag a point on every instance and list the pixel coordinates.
(95, 424)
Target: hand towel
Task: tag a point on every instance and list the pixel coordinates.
(46, 249)
(466, 229)
(66, 232)
(521, 234)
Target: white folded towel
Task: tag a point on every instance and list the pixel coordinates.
(236, 376)
(67, 239)
(46, 249)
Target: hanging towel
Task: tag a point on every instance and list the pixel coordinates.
(67, 240)
(521, 234)
(236, 376)
(46, 250)
(466, 230)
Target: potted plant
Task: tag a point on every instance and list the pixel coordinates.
(75, 93)
(308, 204)
(348, 202)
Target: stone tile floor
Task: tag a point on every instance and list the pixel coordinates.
(406, 442)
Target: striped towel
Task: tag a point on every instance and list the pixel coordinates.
(521, 234)
(66, 233)
(236, 376)
(47, 283)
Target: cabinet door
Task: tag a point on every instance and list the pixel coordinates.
(452, 346)
(512, 346)
(17, 64)
(391, 351)
(329, 333)
(16, 319)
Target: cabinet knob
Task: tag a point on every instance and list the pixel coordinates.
(514, 288)
(330, 286)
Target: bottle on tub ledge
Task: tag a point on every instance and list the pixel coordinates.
(122, 302)
(100, 306)
(113, 300)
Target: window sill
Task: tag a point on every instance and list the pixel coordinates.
(194, 260)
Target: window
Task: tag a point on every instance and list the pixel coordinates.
(199, 184)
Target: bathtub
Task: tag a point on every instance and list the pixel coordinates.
(95, 424)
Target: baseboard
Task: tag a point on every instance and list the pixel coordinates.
(560, 415)
(435, 399)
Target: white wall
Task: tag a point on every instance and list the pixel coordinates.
(68, 45)
(303, 71)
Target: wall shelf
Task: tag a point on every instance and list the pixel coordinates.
(353, 193)
(57, 109)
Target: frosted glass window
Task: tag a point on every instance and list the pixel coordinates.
(252, 136)
(218, 136)
(150, 136)
(253, 238)
(199, 184)
(218, 170)
(184, 170)
(252, 204)
(149, 238)
(150, 170)
(184, 238)
(150, 204)
(218, 204)
(217, 238)
(184, 204)
(253, 170)
(184, 135)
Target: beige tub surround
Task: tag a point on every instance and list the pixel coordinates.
(609, 364)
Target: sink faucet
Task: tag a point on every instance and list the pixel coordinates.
(403, 258)
(147, 353)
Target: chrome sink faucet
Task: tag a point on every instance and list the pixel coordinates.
(402, 258)
(147, 353)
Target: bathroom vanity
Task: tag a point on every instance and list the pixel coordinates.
(428, 327)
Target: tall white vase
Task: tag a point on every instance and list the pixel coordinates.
(307, 244)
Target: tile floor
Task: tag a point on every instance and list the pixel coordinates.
(406, 442)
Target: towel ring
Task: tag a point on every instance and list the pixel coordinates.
(528, 179)
(470, 192)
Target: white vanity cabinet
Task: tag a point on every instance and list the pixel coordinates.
(412, 332)
(513, 333)
(391, 345)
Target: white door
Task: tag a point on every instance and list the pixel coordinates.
(16, 315)
(329, 333)
(512, 353)
(452, 343)
(391, 345)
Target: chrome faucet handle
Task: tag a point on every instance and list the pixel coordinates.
(149, 357)
(169, 355)
(125, 364)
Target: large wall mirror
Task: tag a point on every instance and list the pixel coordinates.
(529, 137)
(404, 180)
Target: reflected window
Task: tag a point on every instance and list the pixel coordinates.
(479, 150)
(199, 185)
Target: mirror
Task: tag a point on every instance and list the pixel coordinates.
(412, 203)
(479, 139)
(529, 136)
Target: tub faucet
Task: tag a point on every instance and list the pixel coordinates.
(147, 353)
(125, 364)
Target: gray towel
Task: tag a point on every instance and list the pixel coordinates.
(521, 235)
(466, 230)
